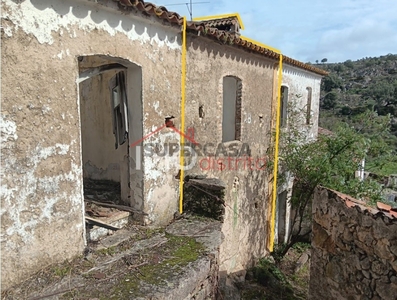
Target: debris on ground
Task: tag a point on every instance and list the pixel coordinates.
(136, 262)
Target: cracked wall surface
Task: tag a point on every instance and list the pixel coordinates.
(246, 198)
(42, 192)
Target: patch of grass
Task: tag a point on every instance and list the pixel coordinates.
(178, 252)
(62, 270)
(301, 247)
(106, 251)
(147, 233)
(301, 278)
(267, 270)
(273, 283)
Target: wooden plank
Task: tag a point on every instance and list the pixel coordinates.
(100, 223)
(119, 207)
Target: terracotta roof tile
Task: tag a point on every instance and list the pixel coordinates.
(151, 9)
(382, 208)
(206, 28)
(229, 38)
(302, 65)
(220, 22)
(393, 213)
(350, 203)
(232, 39)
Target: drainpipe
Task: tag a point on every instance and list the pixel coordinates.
(275, 170)
(183, 97)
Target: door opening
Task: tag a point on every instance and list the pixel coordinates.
(109, 92)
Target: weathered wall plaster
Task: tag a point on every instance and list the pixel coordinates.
(245, 224)
(354, 250)
(42, 192)
(297, 81)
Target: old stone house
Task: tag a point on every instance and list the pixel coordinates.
(87, 85)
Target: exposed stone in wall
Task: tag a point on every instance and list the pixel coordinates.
(204, 197)
(246, 196)
(354, 250)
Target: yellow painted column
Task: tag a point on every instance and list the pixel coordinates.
(183, 98)
(275, 170)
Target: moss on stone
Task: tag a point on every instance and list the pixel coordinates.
(177, 253)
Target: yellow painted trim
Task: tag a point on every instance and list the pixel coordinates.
(278, 93)
(260, 44)
(237, 15)
(275, 170)
(183, 97)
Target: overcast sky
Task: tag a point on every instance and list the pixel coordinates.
(310, 30)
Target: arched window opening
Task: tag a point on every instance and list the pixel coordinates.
(231, 117)
(283, 106)
(308, 105)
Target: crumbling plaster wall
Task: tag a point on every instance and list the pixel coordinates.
(354, 250)
(297, 81)
(246, 196)
(42, 196)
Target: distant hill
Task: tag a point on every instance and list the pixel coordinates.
(368, 82)
(352, 87)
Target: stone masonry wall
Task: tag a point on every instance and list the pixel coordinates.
(354, 249)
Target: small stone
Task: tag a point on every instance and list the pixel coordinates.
(359, 276)
(384, 279)
(386, 290)
(366, 274)
(99, 275)
(379, 268)
(365, 264)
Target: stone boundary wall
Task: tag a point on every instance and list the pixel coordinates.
(354, 249)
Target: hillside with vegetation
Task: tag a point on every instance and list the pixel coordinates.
(352, 90)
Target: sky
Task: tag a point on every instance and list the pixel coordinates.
(310, 30)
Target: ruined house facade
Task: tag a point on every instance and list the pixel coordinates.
(87, 86)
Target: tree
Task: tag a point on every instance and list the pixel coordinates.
(382, 92)
(331, 161)
(324, 60)
(332, 81)
(349, 64)
(330, 100)
(339, 68)
(316, 61)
